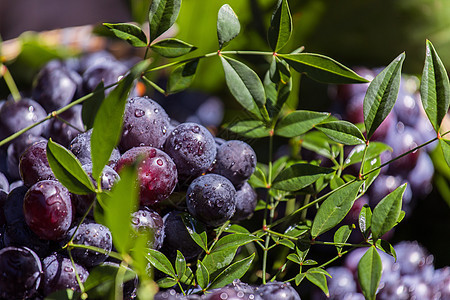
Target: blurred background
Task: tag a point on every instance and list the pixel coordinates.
(360, 34)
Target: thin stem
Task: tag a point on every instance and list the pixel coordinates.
(243, 52)
(154, 85)
(118, 286)
(68, 124)
(307, 199)
(10, 82)
(338, 244)
(280, 235)
(335, 258)
(361, 168)
(80, 283)
(96, 249)
(146, 52)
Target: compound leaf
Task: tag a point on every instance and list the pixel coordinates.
(280, 26)
(228, 26)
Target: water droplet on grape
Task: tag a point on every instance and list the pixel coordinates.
(139, 113)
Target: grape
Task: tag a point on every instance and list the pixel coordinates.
(192, 148)
(210, 198)
(106, 71)
(47, 208)
(145, 123)
(20, 273)
(63, 133)
(146, 219)
(157, 173)
(246, 200)
(33, 164)
(277, 290)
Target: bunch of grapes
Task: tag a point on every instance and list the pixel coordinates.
(39, 216)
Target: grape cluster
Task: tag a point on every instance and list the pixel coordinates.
(39, 216)
(411, 276)
(405, 128)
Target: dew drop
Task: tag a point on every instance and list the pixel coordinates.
(159, 162)
(139, 113)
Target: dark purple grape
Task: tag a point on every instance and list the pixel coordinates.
(145, 123)
(3, 197)
(440, 283)
(394, 290)
(413, 258)
(171, 294)
(192, 148)
(81, 148)
(15, 150)
(15, 116)
(4, 183)
(48, 209)
(210, 198)
(403, 140)
(146, 219)
(13, 207)
(90, 59)
(83, 202)
(385, 184)
(341, 282)
(236, 160)
(209, 113)
(246, 200)
(420, 178)
(277, 290)
(407, 106)
(15, 184)
(157, 173)
(230, 293)
(344, 92)
(59, 273)
(54, 86)
(106, 71)
(19, 234)
(20, 273)
(33, 164)
(176, 237)
(63, 133)
(90, 234)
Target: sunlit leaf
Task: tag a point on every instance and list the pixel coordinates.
(128, 32)
(335, 208)
(160, 262)
(299, 176)
(382, 94)
(234, 271)
(322, 68)
(68, 170)
(91, 106)
(250, 128)
(280, 26)
(228, 26)
(342, 132)
(365, 220)
(387, 211)
(202, 275)
(434, 87)
(445, 146)
(162, 15)
(182, 76)
(299, 122)
(369, 273)
(172, 47)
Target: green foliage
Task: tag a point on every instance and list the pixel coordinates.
(128, 32)
(369, 272)
(280, 29)
(381, 95)
(172, 48)
(342, 132)
(162, 16)
(228, 26)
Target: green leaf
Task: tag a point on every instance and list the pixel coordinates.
(182, 76)
(68, 170)
(287, 243)
(202, 275)
(180, 264)
(232, 241)
(91, 105)
(299, 278)
(387, 211)
(138, 252)
(67, 294)
(219, 259)
(280, 26)
(172, 47)
(234, 228)
(445, 146)
(196, 230)
(434, 87)
(250, 128)
(234, 271)
(228, 26)
(369, 273)
(245, 85)
(160, 262)
(299, 176)
(368, 166)
(102, 278)
(373, 151)
(128, 32)
(365, 220)
(188, 277)
(317, 142)
(108, 122)
(299, 122)
(381, 95)
(341, 235)
(319, 280)
(166, 282)
(122, 202)
(336, 182)
(335, 208)
(342, 132)
(322, 68)
(162, 15)
(295, 258)
(386, 247)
